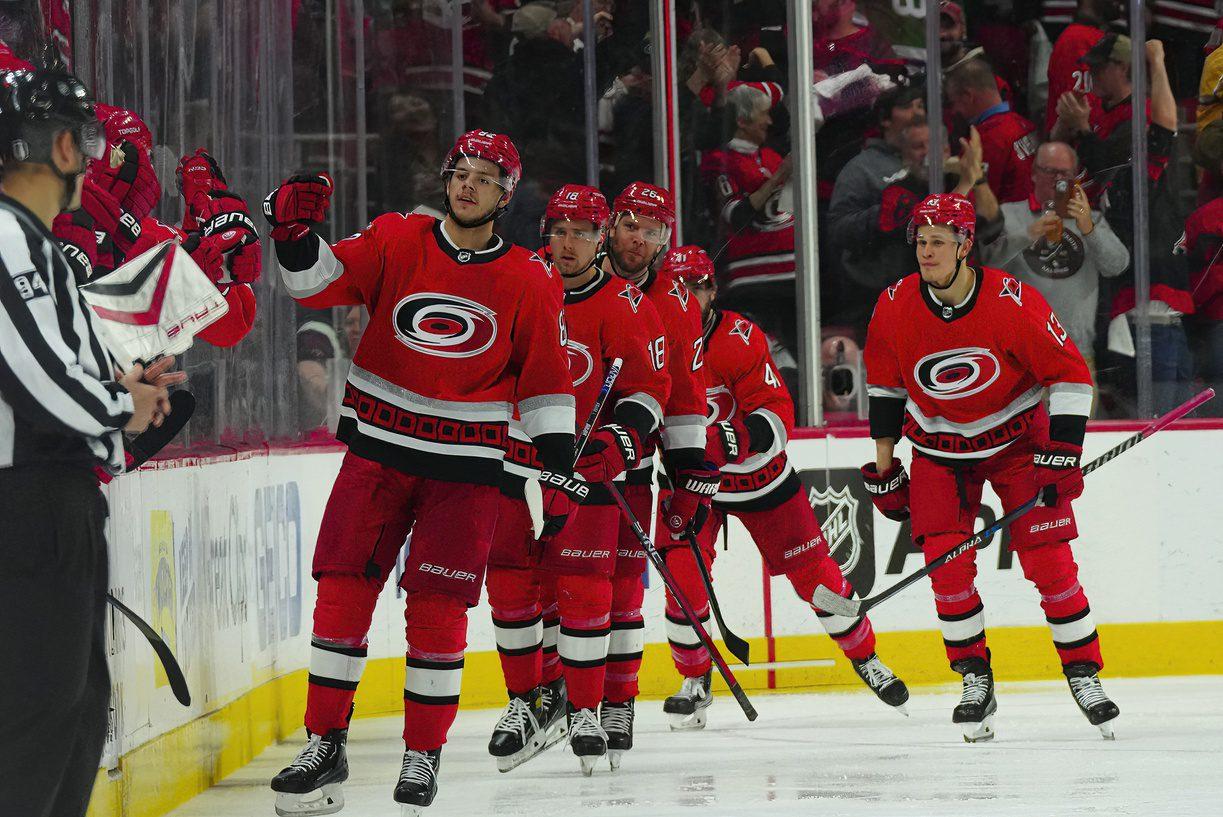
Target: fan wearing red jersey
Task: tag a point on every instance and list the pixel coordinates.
(751, 416)
(960, 360)
(573, 571)
(642, 219)
(462, 326)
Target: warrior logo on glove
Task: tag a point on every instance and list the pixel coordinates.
(444, 325)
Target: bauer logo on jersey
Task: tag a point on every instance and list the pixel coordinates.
(581, 362)
(719, 404)
(444, 325)
(957, 373)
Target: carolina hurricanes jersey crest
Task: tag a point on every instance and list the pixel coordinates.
(720, 404)
(1013, 289)
(633, 295)
(444, 325)
(680, 291)
(743, 330)
(954, 374)
(581, 362)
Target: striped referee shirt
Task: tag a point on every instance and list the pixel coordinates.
(59, 402)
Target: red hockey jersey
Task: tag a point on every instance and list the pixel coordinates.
(1008, 146)
(455, 337)
(682, 353)
(1067, 72)
(601, 326)
(764, 250)
(973, 375)
(741, 379)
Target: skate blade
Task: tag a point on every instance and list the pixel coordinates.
(979, 732)
(613, 758)
(411, 811)
(1106, 730)
(327, 799)
(536, 747)
(686, 722)
(588, 763)
(902, 709)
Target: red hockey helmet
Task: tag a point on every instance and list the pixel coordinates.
(493, 147)
(948, 209)
(690, 264)
(122, 125)
(576, 202)
(641, 199)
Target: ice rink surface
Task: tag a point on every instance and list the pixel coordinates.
(818, 755)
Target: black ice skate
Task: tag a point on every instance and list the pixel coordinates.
(586, 738)
(686, 708)
(417, 781)
(554, 702)
(313, 782)
(1089, 695)
(883, 682)
(617, 722)
(529, 724)
(975, 711)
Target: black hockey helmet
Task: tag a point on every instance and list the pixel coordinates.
(36, 105)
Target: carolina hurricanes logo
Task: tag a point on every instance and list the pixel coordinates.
(444, 325)
(957, 373)
(581, 362)
(633, 295)
(892, 289)
(680, 292)
(719, 404)
(1012, 289)
(743, 330)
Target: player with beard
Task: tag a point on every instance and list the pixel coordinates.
(960, 361)
(570, 578)
(462, 326)
(751, 416)
(642, 218)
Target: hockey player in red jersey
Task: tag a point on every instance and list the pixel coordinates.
(751, 416)
(642, 218)
(960, 360)
(574, 569)
(461, 326)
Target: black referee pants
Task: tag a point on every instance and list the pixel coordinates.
(54, 683)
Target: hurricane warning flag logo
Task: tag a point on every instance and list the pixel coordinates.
(444, 325)
(957, 373)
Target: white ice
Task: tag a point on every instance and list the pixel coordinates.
(821, 754)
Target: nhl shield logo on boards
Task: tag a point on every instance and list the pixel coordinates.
(846, 518)
(444, 325)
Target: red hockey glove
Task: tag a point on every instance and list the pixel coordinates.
(562, 495)
(209, 251)
(133, 183)
(727, 442)
(1058, 470)
(685, 511)
(78, 241)
(198, 175)
(245, 264)
(296, 204)
(109, 217)
(611, 450)
(889, 490)
(226, 211)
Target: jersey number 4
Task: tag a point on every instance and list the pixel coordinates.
(770, 377)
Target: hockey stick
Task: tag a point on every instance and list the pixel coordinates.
(830, 602)
(149, 442)
(174, 673)
(660, 564)
(532, 493)
(737, 646)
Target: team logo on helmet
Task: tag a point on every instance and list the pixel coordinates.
(444, 325)
(581, 362)
(957, 373)
(720, 404)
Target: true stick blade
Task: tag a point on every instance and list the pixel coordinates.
(835, 603)
(534, 497)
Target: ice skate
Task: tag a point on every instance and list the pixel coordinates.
(518, 735)
(553, 702)
(586, 738)
(313, 782)
(975, 711)
(686, 708)
(883, 682)
(1089, 695)
(417, 781)
(617, 722)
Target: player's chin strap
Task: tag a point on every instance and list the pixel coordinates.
(69, 180)
(959, 265)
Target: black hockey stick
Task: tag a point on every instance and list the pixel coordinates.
(660, 564)
(830, 602)
(154, 438)
(738, 647)
(174, 673)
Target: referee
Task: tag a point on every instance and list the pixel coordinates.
(61, 415)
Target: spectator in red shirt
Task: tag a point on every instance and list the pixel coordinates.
(1067, 73)
(1008, 140)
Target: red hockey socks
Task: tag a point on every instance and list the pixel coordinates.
(585, 604)
(437, 637)
(627, 639)
(342, 614)
(961, 615)
(689, 654)
(854, 636)
(1053, 570)
(513, 595)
